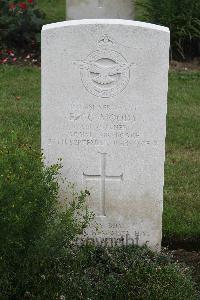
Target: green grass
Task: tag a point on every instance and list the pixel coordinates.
(182, 171)
(55, 10)
(20, 104)
(181, 218)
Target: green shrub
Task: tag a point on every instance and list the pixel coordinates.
(183, 19)
(129, 273)
(101, 273)
(34, 227)
(20, 24)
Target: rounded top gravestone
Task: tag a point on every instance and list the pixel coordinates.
(104, 105)
(100, 9)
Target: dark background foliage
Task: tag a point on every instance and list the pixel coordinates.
(20, 24)
(183, 19)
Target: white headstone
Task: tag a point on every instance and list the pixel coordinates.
(95, 9)
(104, 104)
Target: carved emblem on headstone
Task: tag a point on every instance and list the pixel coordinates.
(105, 72)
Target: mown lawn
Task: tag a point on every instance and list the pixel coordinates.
(55, 10)
(20, 105)
(20, 117)
(182, 169)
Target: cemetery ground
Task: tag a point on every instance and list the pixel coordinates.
(20, 117)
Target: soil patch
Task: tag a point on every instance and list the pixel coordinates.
(189, 244)
(193, 65)
(191, 259)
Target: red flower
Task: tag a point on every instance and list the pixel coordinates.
(4, 60)
(10, 52)
(12, 5)
(30, 1)
(14, 59)
(22, 5)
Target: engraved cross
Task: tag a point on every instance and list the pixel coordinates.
(102, 177)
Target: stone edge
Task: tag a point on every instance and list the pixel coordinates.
(106, 22)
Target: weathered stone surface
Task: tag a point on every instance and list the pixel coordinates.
(95, 9)
(104, 104)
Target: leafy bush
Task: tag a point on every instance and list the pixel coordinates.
(183, 19)
(20, 24)
(39, 257)
(34, 228)
(128, 273)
